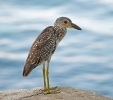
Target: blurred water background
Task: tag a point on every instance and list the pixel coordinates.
(83, 60)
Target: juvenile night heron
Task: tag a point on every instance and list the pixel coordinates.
(44, 46)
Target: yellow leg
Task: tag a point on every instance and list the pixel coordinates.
(53, 89)
(47, 89)
(47, 73)
(44, 76)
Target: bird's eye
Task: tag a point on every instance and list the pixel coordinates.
(65, 22)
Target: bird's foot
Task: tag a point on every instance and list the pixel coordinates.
(52, 90)
(43, 90)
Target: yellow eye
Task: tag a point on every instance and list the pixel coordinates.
(65, 22)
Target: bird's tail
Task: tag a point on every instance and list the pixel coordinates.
(27, 69)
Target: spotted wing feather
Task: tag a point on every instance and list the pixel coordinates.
(41, 50)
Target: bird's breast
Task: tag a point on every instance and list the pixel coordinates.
(60, 34)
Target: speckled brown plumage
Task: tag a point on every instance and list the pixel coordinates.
(41, 50)
(46, 43)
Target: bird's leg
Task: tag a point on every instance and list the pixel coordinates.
(47, 74)
(44, 76)
(50, 90)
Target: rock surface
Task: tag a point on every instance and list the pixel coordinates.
(67, 93)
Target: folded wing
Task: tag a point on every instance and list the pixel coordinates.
(41, 50)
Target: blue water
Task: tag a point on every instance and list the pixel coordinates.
(83, 60)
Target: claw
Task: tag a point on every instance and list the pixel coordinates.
(53, 90)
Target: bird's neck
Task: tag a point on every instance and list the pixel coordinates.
(60, 31)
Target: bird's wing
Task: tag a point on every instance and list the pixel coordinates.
(41, 50)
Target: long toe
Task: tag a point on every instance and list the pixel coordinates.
(54, 88)
(51, 92)
(43, 90)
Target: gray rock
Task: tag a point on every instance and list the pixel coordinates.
(67, 93)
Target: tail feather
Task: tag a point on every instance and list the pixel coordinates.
(27, 69)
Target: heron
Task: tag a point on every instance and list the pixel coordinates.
(44, 47)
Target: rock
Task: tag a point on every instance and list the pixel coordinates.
(67, 93)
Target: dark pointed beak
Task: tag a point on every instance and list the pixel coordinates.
(75, 26)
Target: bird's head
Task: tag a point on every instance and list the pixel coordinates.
(66, 23)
